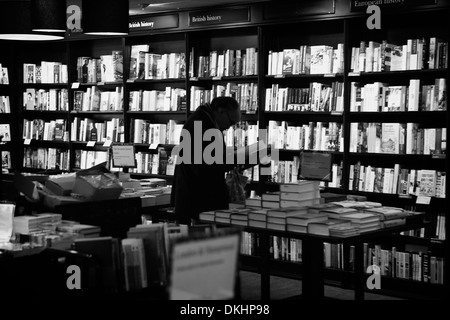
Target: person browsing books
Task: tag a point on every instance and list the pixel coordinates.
(200, 186)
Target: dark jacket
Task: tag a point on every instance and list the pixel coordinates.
(199, 187)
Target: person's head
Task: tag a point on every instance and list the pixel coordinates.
(226, 111)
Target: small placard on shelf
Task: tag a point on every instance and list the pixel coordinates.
(90, 144)
(279, 76)
(217, 78)
(438, 156)
(27, 142)
(131, 80)
(107, 143)
(123, 155)
(75, 85)
(354, 74)
(329, 75)
(153, 146)
(423, 200)
(337, 113)
(101, 84)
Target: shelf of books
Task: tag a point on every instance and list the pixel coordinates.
(7, 116)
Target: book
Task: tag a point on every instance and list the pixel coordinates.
(323, 228)
(134, 264)
(361, 217)
(301, 186)
(5, 132)
(388, 213)
(106, 253)
(156, 259)
(285, 212)
(4, 77)
(305, 219)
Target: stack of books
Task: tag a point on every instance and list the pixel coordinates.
(343, 231)
(324, 228)
(299, 223)
(254, 202)
(29, 224)
(363, 220)
(270, 200)
(276, 218)
(389, 216)
(301, 194)
(83, 230)
(257, 218)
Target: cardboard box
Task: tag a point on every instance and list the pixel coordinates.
(61, 185)
(96, 184)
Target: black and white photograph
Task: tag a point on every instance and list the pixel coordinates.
(227, 158)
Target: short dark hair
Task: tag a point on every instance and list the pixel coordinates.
(224, 102)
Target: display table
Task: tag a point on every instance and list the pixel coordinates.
(312, 266)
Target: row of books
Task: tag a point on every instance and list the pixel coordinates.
(153, 244)
(436, 229)
(45, 130)
(397, 180)
(281, 248)
(319, 97)
(316, 59)
(397, 138)
(241, 134)
(382, 97)
(94, 99)
(416, 54)
(246, 94)
(160, 163)
(147, 65)
(106, 68)
(86, 129)
(227, 63)
(5, 105)
(46, 72)
(170, 99)
(421, 266)
(85, 159)
(143, 131)
(393, 262)
(49, 100)
(46, 158)
(313, 136)
(4, 76)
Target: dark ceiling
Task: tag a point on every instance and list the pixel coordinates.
(151, 6)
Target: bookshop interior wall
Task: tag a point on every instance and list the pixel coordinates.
(366, 90)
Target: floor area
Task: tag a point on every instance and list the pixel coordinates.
(282, 288)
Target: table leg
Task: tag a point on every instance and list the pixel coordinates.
(313, 272)
(359, 272)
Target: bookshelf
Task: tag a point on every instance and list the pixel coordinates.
(277, 99)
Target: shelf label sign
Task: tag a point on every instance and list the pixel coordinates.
(141, 22)
(219, 16)
(362, 5)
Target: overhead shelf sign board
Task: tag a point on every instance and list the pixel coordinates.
(361, 5)
(143, 22)
(219, 16)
